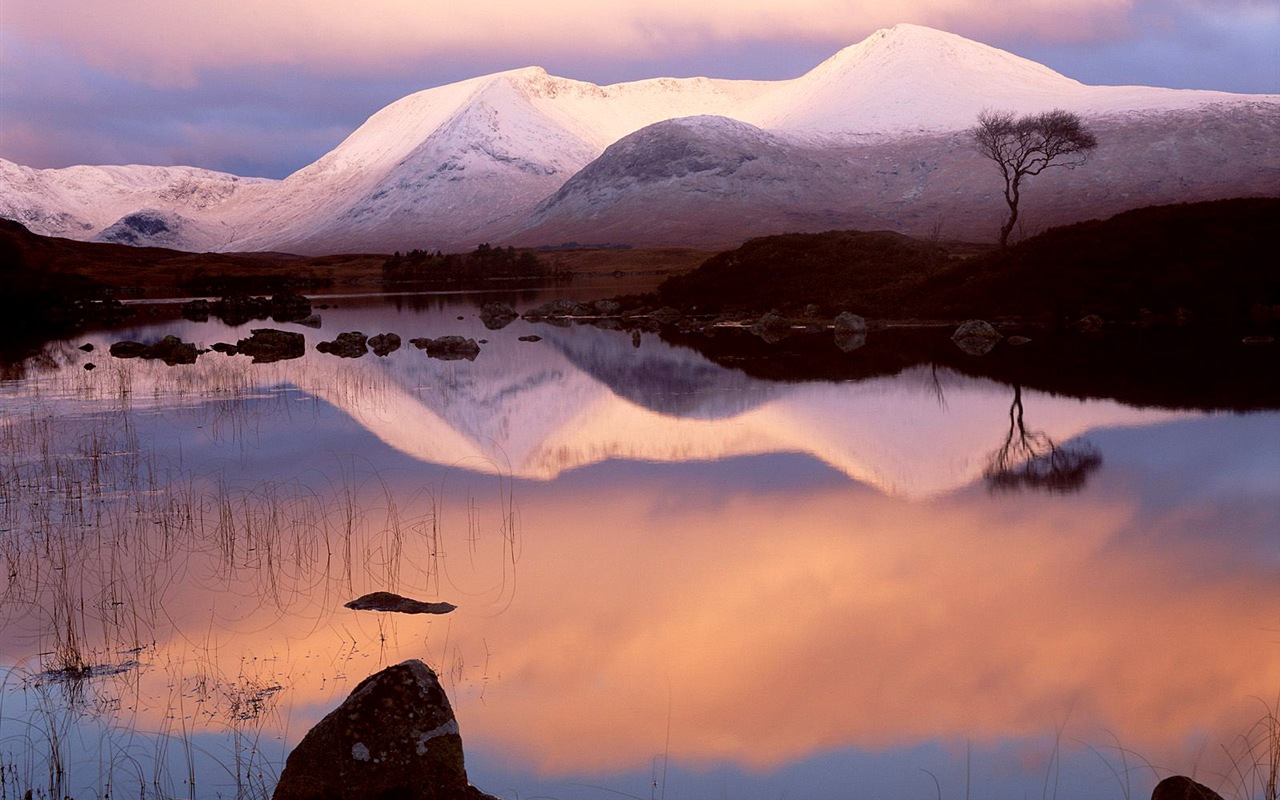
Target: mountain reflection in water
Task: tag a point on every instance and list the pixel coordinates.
(662, 568)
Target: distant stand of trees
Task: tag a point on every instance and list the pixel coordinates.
(484, 263)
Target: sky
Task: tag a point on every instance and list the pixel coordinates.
(264, 87)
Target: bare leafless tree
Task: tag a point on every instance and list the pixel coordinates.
(1028, 145)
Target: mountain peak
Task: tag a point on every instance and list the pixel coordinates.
(919, 51)
(911, 78)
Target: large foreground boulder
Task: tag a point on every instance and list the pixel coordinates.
(394, 737)
(1180, 787)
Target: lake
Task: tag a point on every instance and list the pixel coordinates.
(674, 579)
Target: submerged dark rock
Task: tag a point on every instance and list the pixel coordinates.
(533, 337)
(848, 341)
(667, 315)
(395, 736)
(976, 337)
(448, 348)
(196, 310)
(1180, 787)
(128, 349)
(850, 332)
(384, 344)
(389, 601)
(1091, 323)
(171, 350)
(772, 327)
(267, 345)
(289, 307)
(351, 344)
(848, 322)
(237, 309)
(497, 316)
(559, 309)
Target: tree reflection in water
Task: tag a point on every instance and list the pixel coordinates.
(1031, 460)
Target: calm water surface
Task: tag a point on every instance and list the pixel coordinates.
(672, 579)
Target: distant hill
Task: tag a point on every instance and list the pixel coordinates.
(163, 272)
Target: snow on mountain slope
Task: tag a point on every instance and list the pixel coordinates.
(451, 167)
(491, 158)
(78, 202)
(425, 172)
(151, 227)
(911, 79)
(704, 181)
(710, 182)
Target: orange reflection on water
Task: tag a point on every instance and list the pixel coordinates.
(773, 627)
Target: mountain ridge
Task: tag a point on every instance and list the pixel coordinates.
(483, 159)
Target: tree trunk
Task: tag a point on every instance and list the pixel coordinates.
(1011, 195)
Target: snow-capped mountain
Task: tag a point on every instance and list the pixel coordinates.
(83, 202)
(870, 137)
(709, 181)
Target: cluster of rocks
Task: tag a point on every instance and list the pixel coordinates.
(171, 350)
(239, 309)
(601, 313)
(448, 348)
(266, 345)
(354, 344)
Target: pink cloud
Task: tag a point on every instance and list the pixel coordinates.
(167, 43)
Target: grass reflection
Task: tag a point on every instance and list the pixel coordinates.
(132, 579)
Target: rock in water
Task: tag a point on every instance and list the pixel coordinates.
(497, 316)
(1180, 787)
(850, 323)
(267, 345)
(350, 344)
(171, 350)
(394, 737)
(384, 344)
(976, 337)
(388, 601)
(448, 348)
(772, 327)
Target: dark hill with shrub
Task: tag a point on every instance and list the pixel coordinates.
(873, 271)
(1214, 259)
(1217, 260)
